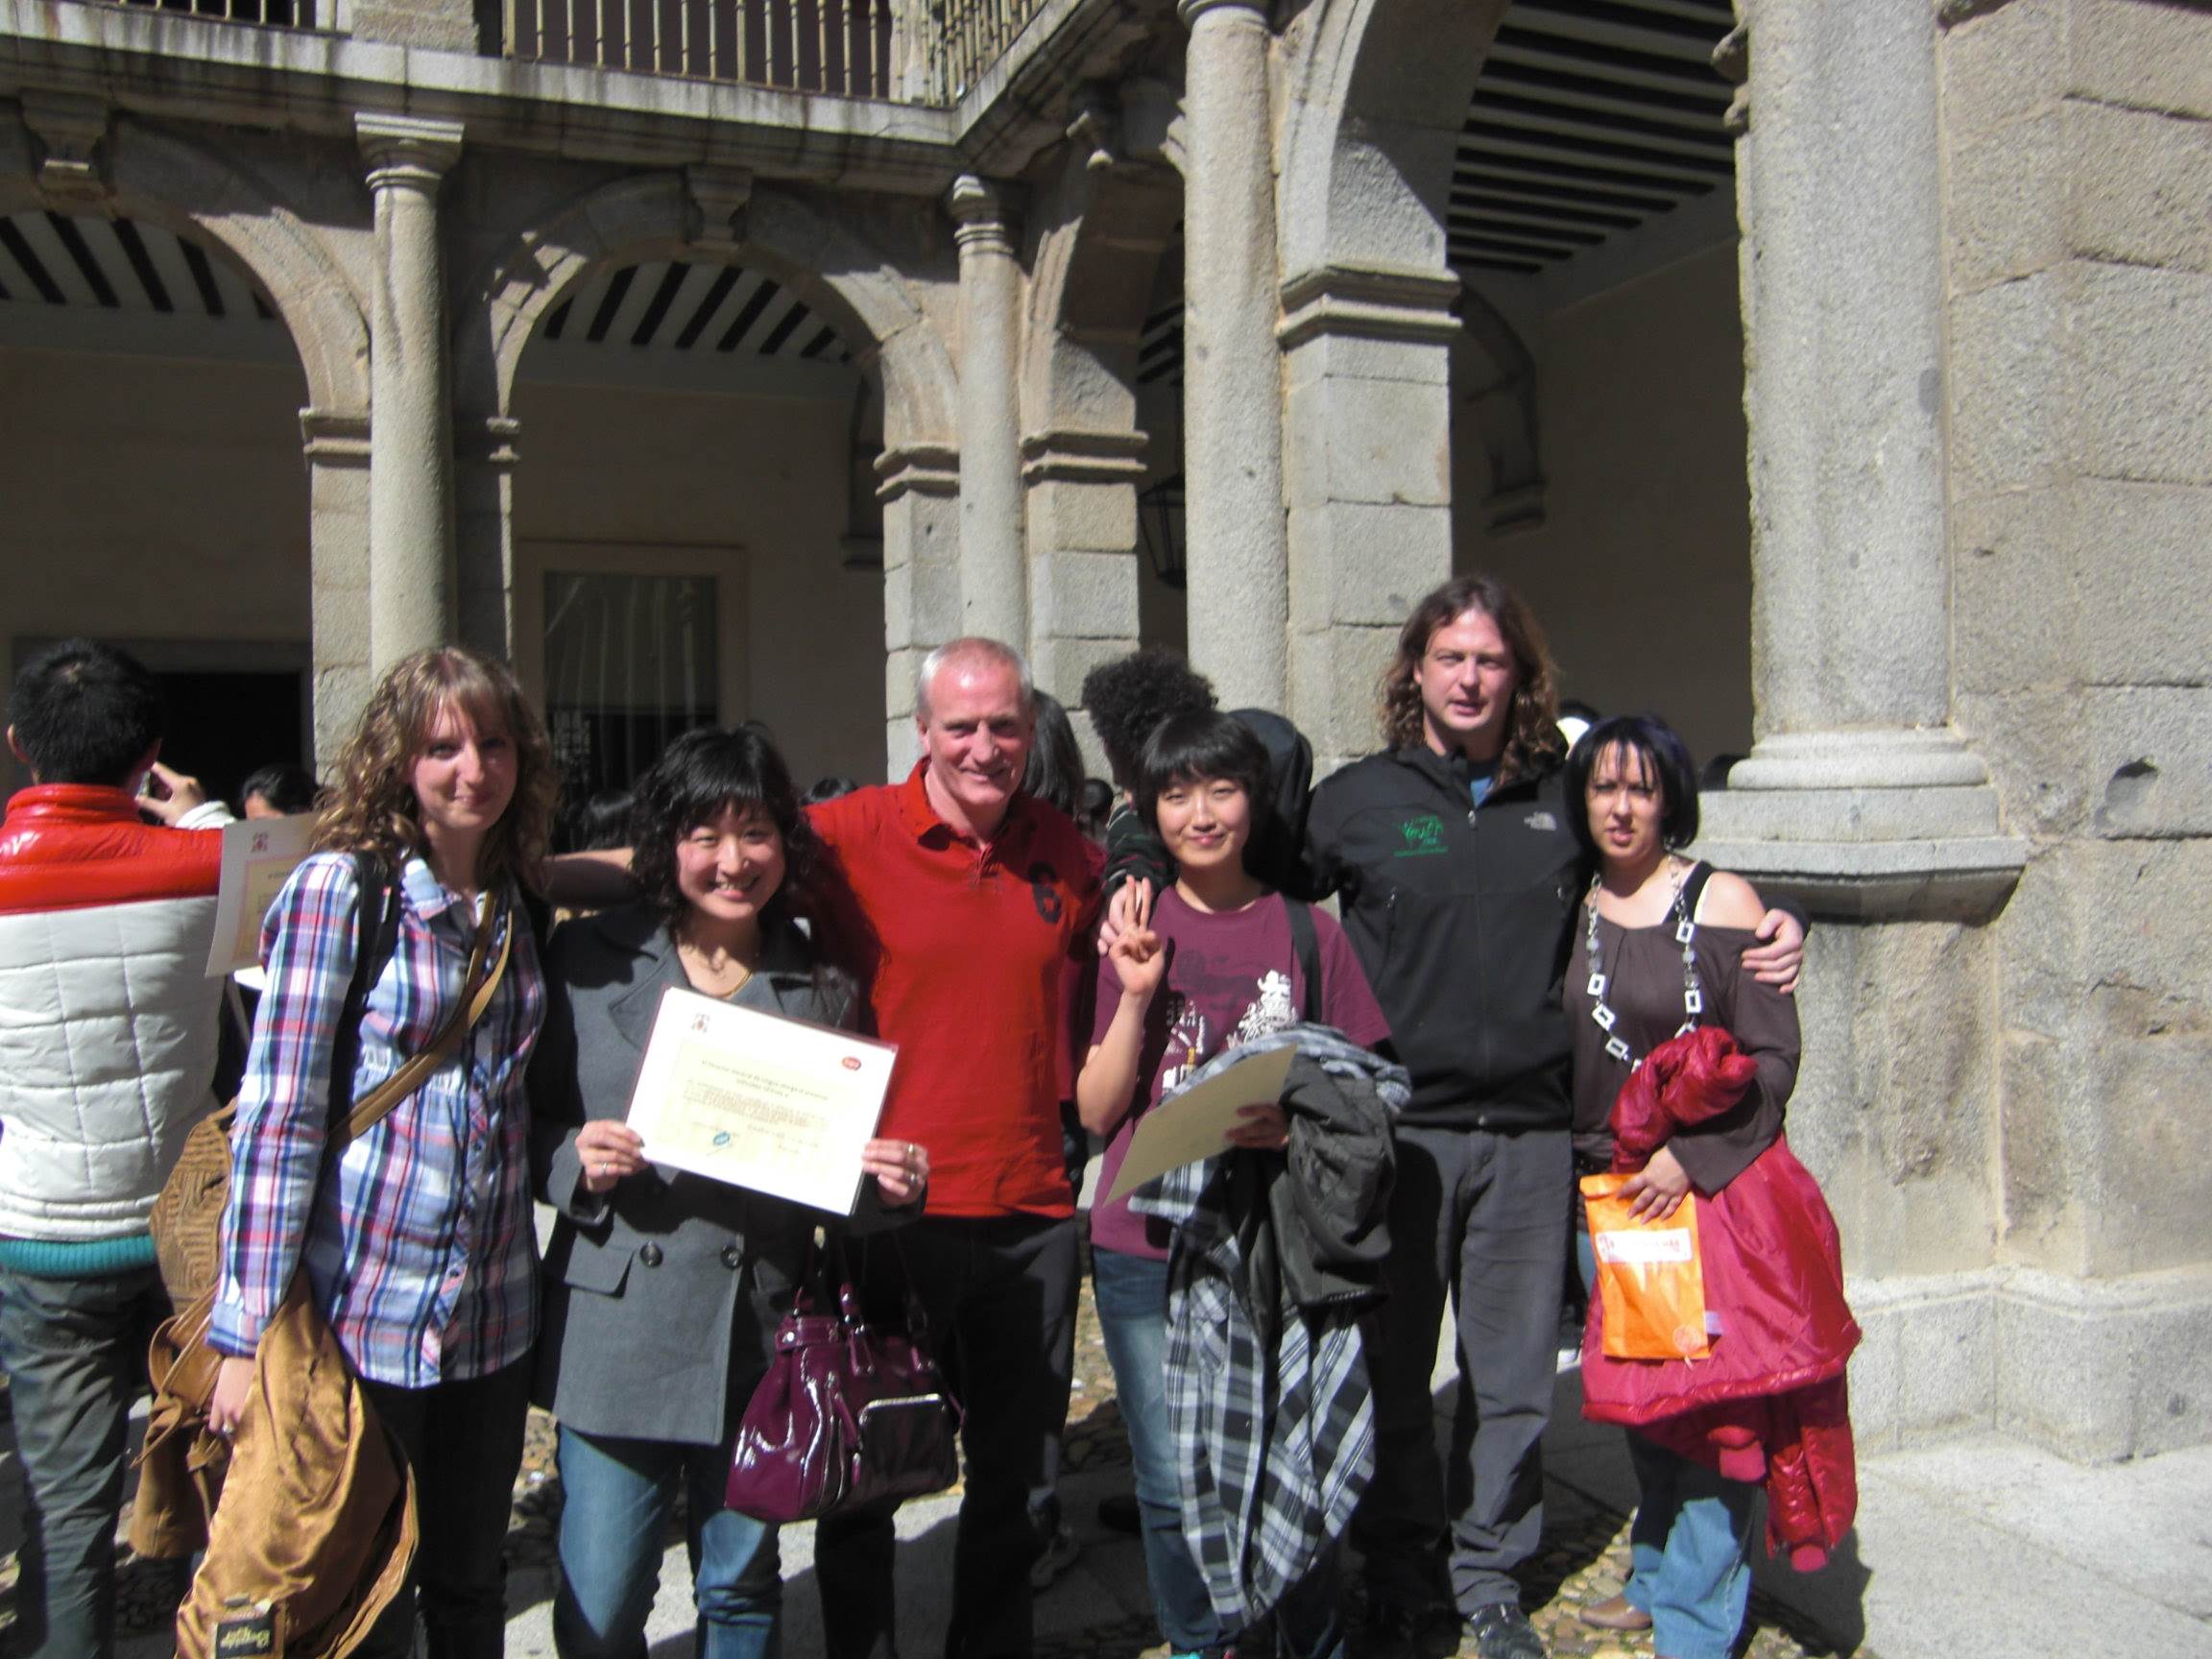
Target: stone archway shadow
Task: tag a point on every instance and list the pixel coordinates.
(654, 216)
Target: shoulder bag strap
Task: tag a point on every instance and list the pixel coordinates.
(477, 991)
(1693, 887)
(377, 938)
(1305, 945)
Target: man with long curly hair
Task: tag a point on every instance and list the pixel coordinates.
(1454, 855)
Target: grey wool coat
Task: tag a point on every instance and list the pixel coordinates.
(661, 1298)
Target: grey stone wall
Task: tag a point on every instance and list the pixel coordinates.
(2078, 256)
(2079, 302)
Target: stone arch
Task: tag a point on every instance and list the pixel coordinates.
(1494, 386)
(1377, 96)
(654, 216)
(1101, 234)
(169, 181)
(163, 180)
(851, 285)
(1092, 274)
(286, 234)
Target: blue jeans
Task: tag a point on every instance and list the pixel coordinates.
(75, 1350)
(619, 1494)
(1132, 1296)
(1692, 1545)
(1691, 1541)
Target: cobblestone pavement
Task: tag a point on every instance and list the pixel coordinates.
(1585, 1555)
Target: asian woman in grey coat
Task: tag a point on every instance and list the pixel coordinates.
(661, 1289)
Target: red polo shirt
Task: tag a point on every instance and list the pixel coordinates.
(961, 949)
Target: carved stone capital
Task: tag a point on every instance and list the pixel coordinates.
(333, 437)
(1379, 303)
(1096, 127)
(407, 151)
(1949, 13)
(1732, 62)
(918, 469)
(1152, 125)
(1191, 10)
(1064, 454)
(720, 194)
(71, 132)
(490, 441)
(983, 213)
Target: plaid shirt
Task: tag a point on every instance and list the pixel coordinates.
(416, 1239)
(1269, 1405)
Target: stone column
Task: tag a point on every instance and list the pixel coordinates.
(921, 578)
(1082, 510)
(1839, 194)
(993, 588)
(411, 602)
(1238, 559)
(336, 446)
(1369, 421)
(485, 451)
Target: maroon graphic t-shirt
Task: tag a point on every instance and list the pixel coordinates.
(1230, 978)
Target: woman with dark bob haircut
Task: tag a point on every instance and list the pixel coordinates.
(1658, 753)
(1658, 948)
(664, 1276)
(1193, 748)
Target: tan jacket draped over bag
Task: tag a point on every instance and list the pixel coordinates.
(308, 1511)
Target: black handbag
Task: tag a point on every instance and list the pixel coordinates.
(849, 1414)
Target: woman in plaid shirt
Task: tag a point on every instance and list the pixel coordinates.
(416, 1238)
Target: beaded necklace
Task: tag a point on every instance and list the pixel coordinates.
(1692, 995)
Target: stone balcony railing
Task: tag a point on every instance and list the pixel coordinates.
(927, 52)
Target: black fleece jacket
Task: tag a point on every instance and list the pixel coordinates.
(1462, 916)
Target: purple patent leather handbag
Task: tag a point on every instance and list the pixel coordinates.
(849, 1414)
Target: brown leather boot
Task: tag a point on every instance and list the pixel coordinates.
(1616, 1613)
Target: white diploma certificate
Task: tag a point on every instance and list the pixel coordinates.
(258, 858)
(760, 1100)
(1197, 1123)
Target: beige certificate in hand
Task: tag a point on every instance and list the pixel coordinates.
(758, 1100)
(258, 858)
(1196, 1123)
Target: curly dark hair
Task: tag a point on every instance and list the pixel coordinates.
(371, 806)
(698, 777)
(1130, 697)
(1533, 744)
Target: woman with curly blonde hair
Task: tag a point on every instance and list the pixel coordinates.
(415, 1236)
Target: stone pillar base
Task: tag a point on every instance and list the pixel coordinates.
(2090, 1369)
(1872, 826)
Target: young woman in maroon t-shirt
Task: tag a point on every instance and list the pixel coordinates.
(1208, 965)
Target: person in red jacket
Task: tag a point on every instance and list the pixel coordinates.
(107, 1036)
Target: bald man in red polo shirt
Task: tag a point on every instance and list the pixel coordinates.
(969, 901)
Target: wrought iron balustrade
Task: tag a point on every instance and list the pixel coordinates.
(967, 36)
(279, 14)
(842, 47)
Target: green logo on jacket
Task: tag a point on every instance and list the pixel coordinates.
(1424, 838)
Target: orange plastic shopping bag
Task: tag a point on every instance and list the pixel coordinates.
(1650, 1281)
